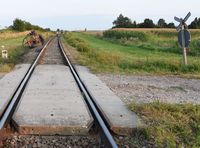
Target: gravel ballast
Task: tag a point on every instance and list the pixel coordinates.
(50, 141)
(145, 89)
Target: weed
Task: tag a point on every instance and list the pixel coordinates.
(175, 123)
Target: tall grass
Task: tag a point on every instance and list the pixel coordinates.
(163, 40)
(78, 43)
(105, 55)
(174, 124)
(6, 34)
(131, 35)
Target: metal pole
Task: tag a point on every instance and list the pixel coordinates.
(184, 48)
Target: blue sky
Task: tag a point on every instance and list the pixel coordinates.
(92, 14)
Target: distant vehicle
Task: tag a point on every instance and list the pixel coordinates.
(32, 40)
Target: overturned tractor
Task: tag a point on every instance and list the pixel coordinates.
(32, 40)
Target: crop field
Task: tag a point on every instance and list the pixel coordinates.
(12, 41)
(144, 51)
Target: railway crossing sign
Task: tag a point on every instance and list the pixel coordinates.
(182, 21)
(184, 36)
(187, 38)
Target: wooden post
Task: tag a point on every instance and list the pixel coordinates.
(184, 48)
(184, 56)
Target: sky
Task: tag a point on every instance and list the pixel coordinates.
(93, 14)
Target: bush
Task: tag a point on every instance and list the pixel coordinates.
(20, 25)
(79, 44)
(82, 47)
(121, 34)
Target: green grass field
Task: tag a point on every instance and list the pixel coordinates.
(157, 52)
(154, 52)
(13, 43)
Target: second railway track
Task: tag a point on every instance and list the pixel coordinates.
(53, 53)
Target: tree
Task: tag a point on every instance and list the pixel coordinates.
(161, 23)
(195, 24)
(134, 25)
(47, 29)
(148, 23)
(170, 25)
(122, 22)
(18, 25)
(28, 25)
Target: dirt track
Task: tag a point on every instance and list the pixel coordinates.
(144, 89)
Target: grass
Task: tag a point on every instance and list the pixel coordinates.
(13, 44)
(173, 124)
(15, 50)
(135, 56)
(167, 125)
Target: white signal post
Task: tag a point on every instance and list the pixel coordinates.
(185, 38)
(4, 53)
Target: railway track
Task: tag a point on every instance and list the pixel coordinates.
(105, 136)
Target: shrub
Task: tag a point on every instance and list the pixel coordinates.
(121, 34)
(78, 43)
(21, 25)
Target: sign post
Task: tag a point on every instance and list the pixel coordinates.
(184, 36)
(183, 46)
(4, 53)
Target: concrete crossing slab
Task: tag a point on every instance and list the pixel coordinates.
(120, 119)
(9, 84)
(52, 104)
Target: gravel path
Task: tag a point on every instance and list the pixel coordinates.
(144, 89)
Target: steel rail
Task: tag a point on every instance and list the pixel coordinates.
(89, 100)
(10, 108)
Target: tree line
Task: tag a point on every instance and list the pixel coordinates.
(125, 22)
(195, 24)
(21, 25)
